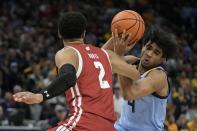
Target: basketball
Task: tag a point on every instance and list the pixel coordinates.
(131, 21)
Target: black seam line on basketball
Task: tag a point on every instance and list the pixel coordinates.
(134, 15)
(131, 26)
(136, 31)
(127, 19)
(135, 21)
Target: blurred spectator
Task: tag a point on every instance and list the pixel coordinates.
(192, 124)
(16, 117)
(194, 82)
(118, 100)
(182, 123)
(171, 125)
(184, 81)
(17, 88)
(2, 115)
(60, 115)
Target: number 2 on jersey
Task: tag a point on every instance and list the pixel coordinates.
(103, 83)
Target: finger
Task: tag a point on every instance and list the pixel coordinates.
(124, 34)
(129, 38)
(116, 38)
(113, 39)
(130, 46)
(112, 34)
(19, 94)
(18, 97)
(116, 33)
(25, 98)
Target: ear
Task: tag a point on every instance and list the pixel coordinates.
(83, 34)
(164, 60)
(143, 48)
(60, 36)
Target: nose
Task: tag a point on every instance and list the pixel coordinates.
(149, 53)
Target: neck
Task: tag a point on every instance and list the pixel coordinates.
(72, 41)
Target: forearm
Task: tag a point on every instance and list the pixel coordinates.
(122, 68)
(119, 66)
(108, 45)
(131, 59)
(125, 85)
(65, 80)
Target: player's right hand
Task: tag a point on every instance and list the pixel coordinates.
(121, 43)
(28, 97)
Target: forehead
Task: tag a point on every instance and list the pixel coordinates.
(153, 45)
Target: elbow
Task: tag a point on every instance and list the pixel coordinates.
(134, 75)
(128, 95)
(137, 76)
(129, 98)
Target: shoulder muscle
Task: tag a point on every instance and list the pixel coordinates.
(157, 79)
(65, 56)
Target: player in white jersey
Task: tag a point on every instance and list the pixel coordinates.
(145, 105)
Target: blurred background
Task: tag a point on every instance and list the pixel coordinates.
(29, 40)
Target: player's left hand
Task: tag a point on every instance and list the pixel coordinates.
(28, 97)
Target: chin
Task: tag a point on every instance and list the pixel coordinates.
(146, 66)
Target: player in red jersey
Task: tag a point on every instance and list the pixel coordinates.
(85, 75)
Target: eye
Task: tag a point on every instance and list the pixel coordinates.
(148, 47)
(157, 52)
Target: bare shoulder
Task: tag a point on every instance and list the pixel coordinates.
(65, 52)
(157, 77)
(112, 54)
(66, 55)
(157, 73)
(109, 52)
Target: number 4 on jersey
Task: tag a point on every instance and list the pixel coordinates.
(132, 104)
(103, 83)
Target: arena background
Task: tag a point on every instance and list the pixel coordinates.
(29, 40)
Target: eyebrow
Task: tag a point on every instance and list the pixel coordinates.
(158, 51)
(148, 45)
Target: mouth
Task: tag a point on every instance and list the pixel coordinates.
(146, 61)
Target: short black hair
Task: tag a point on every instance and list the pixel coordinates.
(71, 25)
(165, 40)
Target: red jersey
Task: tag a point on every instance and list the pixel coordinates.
(91, 100)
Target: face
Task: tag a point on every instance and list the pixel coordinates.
(61, 114)
(151, 55)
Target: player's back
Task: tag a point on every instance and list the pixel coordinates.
(144, 114)
(91, 100)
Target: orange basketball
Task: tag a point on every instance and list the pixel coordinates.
(131, 21)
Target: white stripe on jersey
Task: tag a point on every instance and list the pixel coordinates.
(107, 57)
(80, 109)
(75, 108)
(61, 128)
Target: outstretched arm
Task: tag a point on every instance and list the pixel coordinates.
(118, 62)
(121, 67)
(67, 63)
(109, 44)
